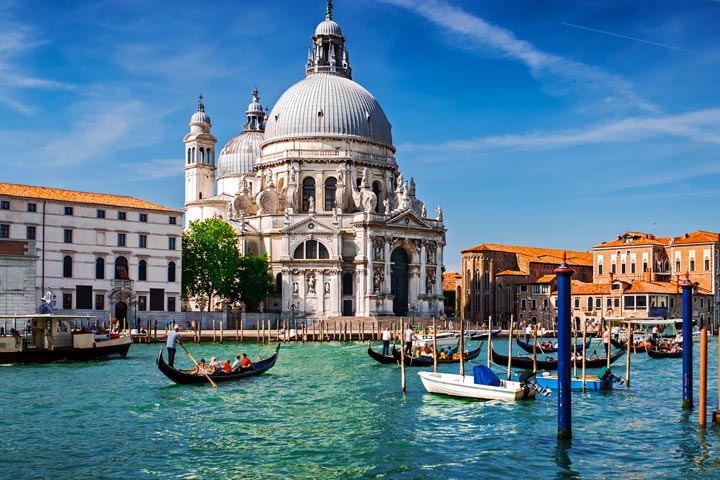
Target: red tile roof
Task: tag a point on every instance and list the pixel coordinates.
(638, 239)
(56, 194)
(539, 255)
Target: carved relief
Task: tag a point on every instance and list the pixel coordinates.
(430, 249)
(378, 279)
(429, 280)
(379, 249)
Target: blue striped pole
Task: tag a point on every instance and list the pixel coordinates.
(687, 287)
(563, 274)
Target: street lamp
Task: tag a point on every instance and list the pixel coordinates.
(412, 307)
(292, 307)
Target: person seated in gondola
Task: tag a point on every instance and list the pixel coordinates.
(443, 354)
(212, 367)
(225, 367)
(245, 363)
(199, 367)
(427, 351)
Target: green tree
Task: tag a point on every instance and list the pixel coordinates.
(255, 281)
(211, 262)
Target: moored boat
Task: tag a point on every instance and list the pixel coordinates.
(603, 381)
(45, 338)
(548, 362)
(384, 359)
(543, 349)
(482, 385)
(423, 361)
(186, 377)
(660, 353)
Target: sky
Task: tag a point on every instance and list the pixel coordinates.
(557, 124)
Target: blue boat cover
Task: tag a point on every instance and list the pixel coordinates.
(485, 376)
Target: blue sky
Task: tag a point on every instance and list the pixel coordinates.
(556, 124)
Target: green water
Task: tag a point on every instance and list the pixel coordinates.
(328, 411)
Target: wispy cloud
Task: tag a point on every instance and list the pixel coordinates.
(154, 169)
(635, 39)
(541, 64)
(700, 126)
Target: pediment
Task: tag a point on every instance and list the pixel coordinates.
(243, 227)
(407, 219)
(308, 226)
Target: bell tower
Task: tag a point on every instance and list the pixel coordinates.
(199, 157)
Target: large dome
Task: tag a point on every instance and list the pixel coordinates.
(328, 105)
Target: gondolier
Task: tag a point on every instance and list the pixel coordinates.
(409, 335)
(386, 337)
(173, 338)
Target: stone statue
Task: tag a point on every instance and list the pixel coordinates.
(296, 288)
(327, 288)
(423, 212)
(311, 284)
(293, 174)
(311, 203)
(269, 179)
(229, 210)
(439, 213)
(377, 281)
(386, 206)
(399, 184)
(47, 303)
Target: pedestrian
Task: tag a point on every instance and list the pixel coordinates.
(409, 335)
(386, 337)
(606, 340)
(173, 338)
(528, 332)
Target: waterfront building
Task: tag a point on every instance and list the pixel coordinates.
(99, 254)
(635, 275)
(315, 186)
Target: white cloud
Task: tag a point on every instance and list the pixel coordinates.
(554, 68)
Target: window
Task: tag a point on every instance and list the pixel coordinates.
(121, 269)
(311, 250)
(142, 303)
(122, 215)
(4, 205)
(677, 265)
(672, 302)
(157, 299)
(142, 270)
(523, 288)
(308, 192)
(577, 302)
(615, 286)
(600, 269)
(67, 236)
(622, 268)
(171, 243)
(30, 233)
(612, 268)
(4, 230)
(143, 217)
(67, 301)
(171, 304)
(99, 301)
(629, 302)
(99, 268)
(598, 303)
(68, 210)
(32, 207)
(347, 284)
(692, 264)
(171, 272)
(330, 189)
(121, 239)
(590, 304)
(632, 267)
(522, 304)
(142, 241)
(533, 304)
(707, 264)
(376, 191)
(67, 266)
(100, 213)
(83, 297)
(540, 289)
(172, 220)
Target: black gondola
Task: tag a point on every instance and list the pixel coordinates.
(653, 353)
(423, 361)
(184, 377)
(528, 347)
(482, 336)
(526, 363)
(384, 359)
(634, 348)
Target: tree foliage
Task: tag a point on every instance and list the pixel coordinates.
(256, 282)
(211, 261)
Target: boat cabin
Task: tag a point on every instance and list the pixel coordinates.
(45, 332)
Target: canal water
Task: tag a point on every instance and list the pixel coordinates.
(328, 411)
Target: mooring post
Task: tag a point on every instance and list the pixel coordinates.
(563, 274)
(687, 288)
(702, 420)
(716, 413)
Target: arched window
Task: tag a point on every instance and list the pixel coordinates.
(311, 250)
(376, 191)
(121, 269)
(189, 156)
(142, 270)
(589, 304)
(278, 283)
(211, 156)
(330, 189)
(308, 190)
(193, 155)
(171, 272)
(67, 266)
(201, 156)
(99, 268)
(347, 284)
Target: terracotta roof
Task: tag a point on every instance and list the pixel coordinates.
(56, 194)
(639, 286)
(545, 279)
(581, 288)
(540, 255)
(511, 273)
(451, 280)
(637, 239)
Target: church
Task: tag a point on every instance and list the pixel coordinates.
(314, 185)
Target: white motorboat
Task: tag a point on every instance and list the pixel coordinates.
(466, 386)
(445, 339)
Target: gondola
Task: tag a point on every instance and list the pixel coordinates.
(653, 353)
(549, 363)
(482, 336)
(634, 348)
(384, 359)
(423, 361)
(184, 377)
(528, 347)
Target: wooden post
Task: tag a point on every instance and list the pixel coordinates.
(703, 377)
(242, 330)
(222, 333)
(627, 365)
(237, 329)
(402, 368)
(214, 332)
(156, 329)
(435, 350)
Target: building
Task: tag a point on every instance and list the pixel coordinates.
(314, 185)
(98, 254)
(504, 282)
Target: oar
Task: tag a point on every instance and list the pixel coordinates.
(198, 366)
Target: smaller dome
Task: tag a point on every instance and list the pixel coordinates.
(328, 27)
(239, 154)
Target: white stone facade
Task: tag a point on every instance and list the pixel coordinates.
(325, 199)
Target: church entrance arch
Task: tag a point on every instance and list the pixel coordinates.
(399, 281)
(121, 309)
